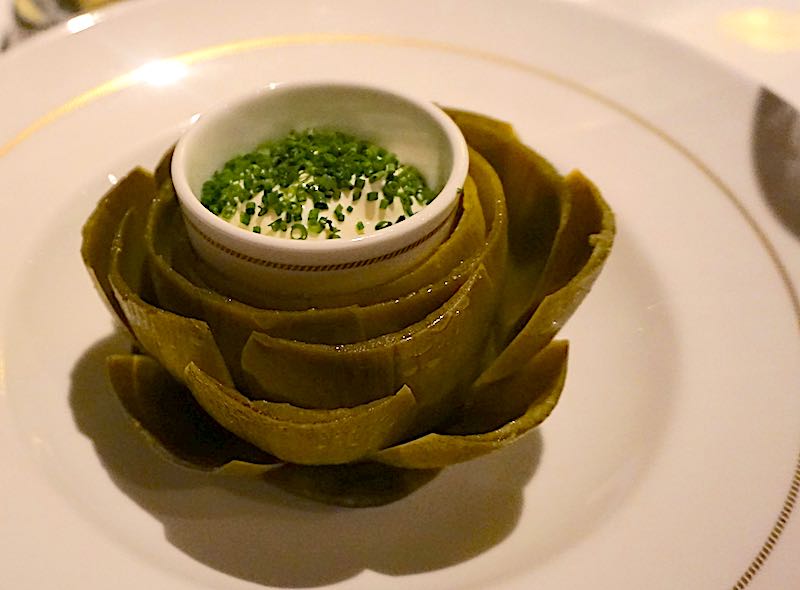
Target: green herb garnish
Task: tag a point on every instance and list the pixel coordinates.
(294, 178)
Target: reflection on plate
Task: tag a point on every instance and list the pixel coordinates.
(677, 432)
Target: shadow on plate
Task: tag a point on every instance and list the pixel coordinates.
(776, 157)
(254, 531)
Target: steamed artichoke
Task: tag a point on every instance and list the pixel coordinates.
(355, 399)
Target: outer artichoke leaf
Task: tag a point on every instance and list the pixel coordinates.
(299, 436)
(583, 214)
(435, 357)
(530, 182)
(594, 231)
(539, 382)
(317, 375)
(539, 206)
(489, 407)
(173, 340)
(165, 413)
(465, 239)
(486, 135)
(357, 485)
(136, 190)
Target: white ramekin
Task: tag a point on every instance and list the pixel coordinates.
(417, 131)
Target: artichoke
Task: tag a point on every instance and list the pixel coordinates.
(354, 399)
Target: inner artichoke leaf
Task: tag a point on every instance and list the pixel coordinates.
(173, 340)
(436, 357)
(167, 415)
(178, 289)
(465, 239)
(136, 190)
(538, 382)
(494, 253)
(301, 436)
(594, 230)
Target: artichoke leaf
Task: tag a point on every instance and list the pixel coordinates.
(539, 383)
(435, 358)
(301, 436)
(494, 253)
(167, 415)
(173, 340)
(531, 183)
(136, 190)
(539, 206)
(317, 375)
(594, 232)
(172, 262)
(488, 407)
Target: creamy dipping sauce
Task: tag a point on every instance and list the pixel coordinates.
(316, 184)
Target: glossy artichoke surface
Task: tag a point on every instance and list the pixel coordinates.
(360, 398)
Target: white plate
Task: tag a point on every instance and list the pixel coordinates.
(672, 461)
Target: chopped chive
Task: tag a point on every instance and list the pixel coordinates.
(407, 206)
(382, 224)
(278, 225)
(360, 227)
(372, 196)
(257, 229)
(227, 211)
(338, 213)
(299, 232)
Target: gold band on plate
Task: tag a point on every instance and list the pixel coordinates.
(218, 51)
